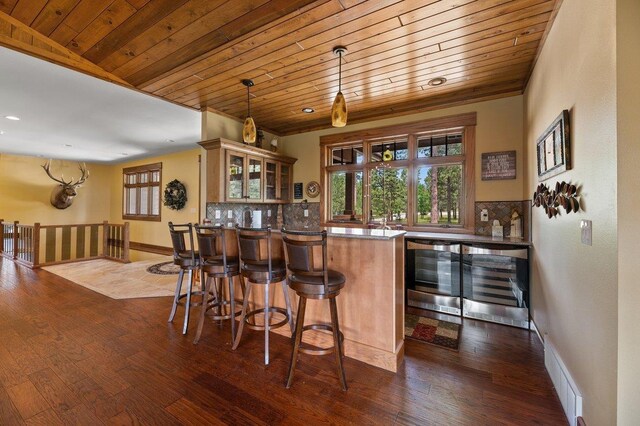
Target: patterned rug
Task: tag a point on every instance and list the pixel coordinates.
(164, 268)
(436, 332)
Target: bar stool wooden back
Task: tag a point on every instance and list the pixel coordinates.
(216, 265)
(258, 266)
(185, 256)
(310, 278)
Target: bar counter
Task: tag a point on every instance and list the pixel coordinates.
(371, 305)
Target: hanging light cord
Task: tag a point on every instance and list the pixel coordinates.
(248, 102)
(340, 72)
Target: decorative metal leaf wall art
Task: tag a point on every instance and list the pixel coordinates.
(552, 200)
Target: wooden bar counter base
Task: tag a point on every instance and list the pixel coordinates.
(371, 305)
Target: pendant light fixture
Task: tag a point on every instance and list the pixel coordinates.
(249, 128)
(339, 108)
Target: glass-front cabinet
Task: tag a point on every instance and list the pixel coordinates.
(244, 177)
(242, 173)
(277, 181)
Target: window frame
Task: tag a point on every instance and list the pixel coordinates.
(146, 168)
(464, 123)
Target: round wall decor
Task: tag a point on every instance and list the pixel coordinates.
(312, 189)
(175, 195)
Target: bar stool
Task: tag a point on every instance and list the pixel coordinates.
(188, 259)
(258, 267)
(214, 263)
(311, 281)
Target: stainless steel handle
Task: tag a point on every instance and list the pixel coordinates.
(451, 248)
(519, 253)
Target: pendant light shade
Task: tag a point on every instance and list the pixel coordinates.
(339, 108)
(249, 127)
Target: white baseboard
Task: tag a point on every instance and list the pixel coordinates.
(567, 391)
(532, 326)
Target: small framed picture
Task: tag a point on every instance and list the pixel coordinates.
(554, 148)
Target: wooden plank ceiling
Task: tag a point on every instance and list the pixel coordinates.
(195, 52)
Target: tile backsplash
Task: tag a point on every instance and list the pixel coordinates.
(502, 210)
(291, 215)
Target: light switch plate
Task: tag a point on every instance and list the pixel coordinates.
(217, 214)
(586, 232)
(269, 213)
(306, 213)
(230, 214)
(484, 215)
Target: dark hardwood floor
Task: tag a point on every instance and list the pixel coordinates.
(72, 356)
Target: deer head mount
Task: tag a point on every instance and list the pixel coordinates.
(63, 194)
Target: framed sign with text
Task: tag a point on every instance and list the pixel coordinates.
(499, 165)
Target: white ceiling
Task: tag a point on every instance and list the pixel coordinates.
(103, 122)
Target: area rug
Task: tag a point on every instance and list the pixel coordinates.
(118, 280)
(164, 268)
(437, 332)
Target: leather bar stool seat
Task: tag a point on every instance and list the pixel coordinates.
(259, 273)
(315, 285)
(217, 266)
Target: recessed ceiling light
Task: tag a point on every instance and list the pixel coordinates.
(12, 117)
(1, 132)
(68, 145)
(438, 81)
(124, 154)
(308, 110)
(169, 140)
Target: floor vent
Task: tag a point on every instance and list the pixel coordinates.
(566, 388)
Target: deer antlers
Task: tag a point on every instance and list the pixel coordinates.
(61, 181)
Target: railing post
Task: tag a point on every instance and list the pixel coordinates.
(105, 238)
(2, 234)
(15, 239)
(125, 243)
(36, 244)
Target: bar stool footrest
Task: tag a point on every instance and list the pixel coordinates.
(305, 348)
(251, 316)
(212, 304)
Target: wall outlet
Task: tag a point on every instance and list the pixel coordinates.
(306, 213)
(217, 214)
(230, 214)
(484, 215)
(269, 213)
(586, 232)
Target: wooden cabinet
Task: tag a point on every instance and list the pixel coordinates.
(240, 173)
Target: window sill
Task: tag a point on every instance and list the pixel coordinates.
(143, 218)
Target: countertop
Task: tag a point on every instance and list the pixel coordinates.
(468, 238)
(363, 234)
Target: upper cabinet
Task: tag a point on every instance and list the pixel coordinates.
(240, 173)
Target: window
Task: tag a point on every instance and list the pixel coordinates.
(141, 192)
(417, 175)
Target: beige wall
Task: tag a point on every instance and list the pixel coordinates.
(628, 98)
(183, 166)
(26, 189)
(574, 293)
(500, 127)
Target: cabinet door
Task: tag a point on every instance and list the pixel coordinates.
(285, 182)
(236, 164)
(254, 179)
(270, 180)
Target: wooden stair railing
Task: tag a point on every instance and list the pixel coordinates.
(42, 245)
